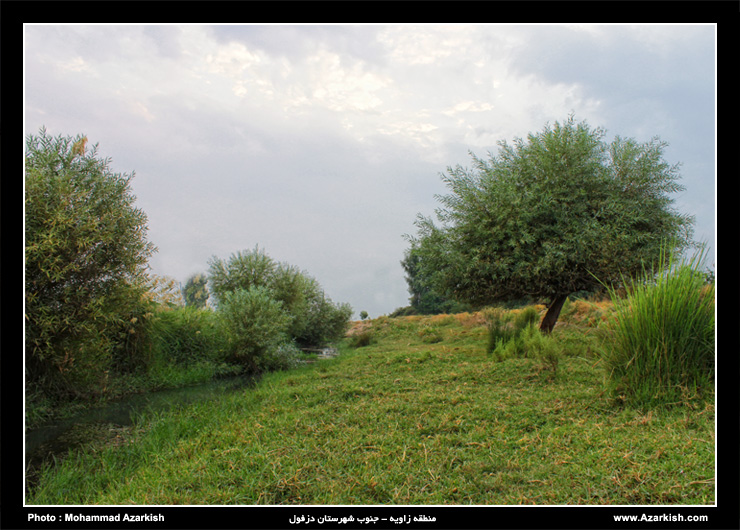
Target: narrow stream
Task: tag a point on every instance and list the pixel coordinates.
(57, 437)
(109, 421)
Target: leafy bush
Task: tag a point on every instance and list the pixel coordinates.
(257, 326)
(187, 335)
(314, 320)
(403, 312)
(85, 258)
(663, 335)
(284, 357)
(325, 321)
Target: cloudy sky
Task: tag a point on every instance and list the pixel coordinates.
(321, 144)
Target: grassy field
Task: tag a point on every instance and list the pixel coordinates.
(420, 414)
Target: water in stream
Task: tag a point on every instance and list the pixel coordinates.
(57, 437)
(110, 421)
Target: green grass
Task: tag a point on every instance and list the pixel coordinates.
(422, 414)
(663, 337)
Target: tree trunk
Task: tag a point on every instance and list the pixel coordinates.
(553, 312)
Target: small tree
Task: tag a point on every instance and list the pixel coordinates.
(363, 315)
(195, 291)
(325, 320)
(257, 323)
(314, 318)
(548, 216)
(241, 271)
(86, 255)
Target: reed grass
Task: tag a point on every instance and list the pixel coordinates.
(662, 346)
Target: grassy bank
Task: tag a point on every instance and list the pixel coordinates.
(422, 414)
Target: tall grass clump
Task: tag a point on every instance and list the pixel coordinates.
(186, 335)
(187, 345)
(505, 327)
(663, 335)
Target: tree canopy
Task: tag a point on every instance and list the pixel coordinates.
(195, 292)
(314, 319)
(424, 300)
(86, 254)
(556, 213)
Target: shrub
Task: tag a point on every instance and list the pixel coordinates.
(187, 335)
(257, 325)
(663, 335)
(314, 319)
(85, 256)
(403, 312)
(324, 321)
(517, 335)
(499, 329)
(364, 338)
(284, 357)
(528, 315)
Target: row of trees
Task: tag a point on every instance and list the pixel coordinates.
(92, 309)
(560, 212)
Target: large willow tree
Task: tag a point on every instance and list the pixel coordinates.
(556, 213)
(86, 255)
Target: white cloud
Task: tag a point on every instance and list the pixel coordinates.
(323, 143)
(425, 45)
(138, 108)
(76, 64)
(343, 88)
(468, 106)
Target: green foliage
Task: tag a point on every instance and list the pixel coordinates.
(284, 357)
(506, 326)
(402, 312)
(361, 339)
(363, 315)
(325, 320)
(85, 253)
(528, 316)
(242, 271)
(500, 330)
(430, 334)
(187, 335)
(257, 325)
(314, 319)
(195, 292)
(663, 336)
(425, 300)
(516, 335)
(402, 422)
(530, 343)
(547, 213)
